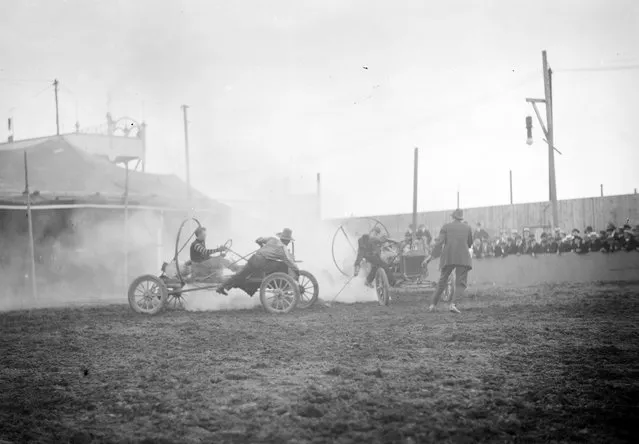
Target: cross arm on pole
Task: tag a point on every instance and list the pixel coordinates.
(552, 147)
(541, 122)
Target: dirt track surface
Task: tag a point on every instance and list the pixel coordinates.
(527, 365)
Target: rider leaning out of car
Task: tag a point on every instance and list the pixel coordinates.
(369, 248)
(272, 256)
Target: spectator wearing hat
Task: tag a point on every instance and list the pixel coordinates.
(480, 233)
(423, 234)
(594, 242)
(533, 247)
(604, 246)
(578, 245)
(544, 246)
(630, 242)
(573, 237)
(477, 250)
(487, 248)
(453, 247)
(509, 247)
(409, 232)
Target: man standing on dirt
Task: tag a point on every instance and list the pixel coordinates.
(452, 247)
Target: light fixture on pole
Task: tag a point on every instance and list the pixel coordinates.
(529, 139)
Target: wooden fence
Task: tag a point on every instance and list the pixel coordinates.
(574, 213)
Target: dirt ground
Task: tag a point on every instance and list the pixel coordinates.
(543, 364)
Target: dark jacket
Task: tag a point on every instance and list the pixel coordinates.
(453, 244)
(199, 252)
(367, 247)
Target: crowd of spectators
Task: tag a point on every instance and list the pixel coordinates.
(610, 240)
(513, 243)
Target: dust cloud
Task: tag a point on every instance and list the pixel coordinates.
(80, 253)
(267, 214)
(80, 256)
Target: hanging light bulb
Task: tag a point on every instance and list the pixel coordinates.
(529, 139)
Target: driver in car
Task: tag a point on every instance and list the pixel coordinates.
(272, 257)
(203, 263)
(369, 248)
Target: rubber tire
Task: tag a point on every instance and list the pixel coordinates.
(381, 284)
(450, 287)
(265, 283)
(163, 296)
(311, 278)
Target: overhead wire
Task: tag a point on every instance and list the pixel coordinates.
(598, 68)
(448, 113)
(22, 102)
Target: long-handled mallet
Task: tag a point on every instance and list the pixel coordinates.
(340, 292)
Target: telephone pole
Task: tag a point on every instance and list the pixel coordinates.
(511, 187)
(415, 168)
(57, 115)
(186, 150)
(548, 133)
(550, 138)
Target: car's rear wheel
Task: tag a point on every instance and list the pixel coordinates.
(279, 293)
(147, 295)
(309, 289)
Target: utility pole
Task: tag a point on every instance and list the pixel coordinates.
(511, 187)
(186, 151)
(57, 115)
(415, 167)
(319, 198)
(550, 138)
(601, 189)
(549, 135)
(34, 287)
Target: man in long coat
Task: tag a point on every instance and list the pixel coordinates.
(452, 247)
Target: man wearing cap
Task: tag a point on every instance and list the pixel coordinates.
(202, 262)
(452, 247)
(272, 257)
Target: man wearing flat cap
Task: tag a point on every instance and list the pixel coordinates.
(452, 247)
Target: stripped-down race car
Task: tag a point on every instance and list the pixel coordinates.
(279, 291)
(408, 262)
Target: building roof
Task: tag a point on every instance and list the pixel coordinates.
(59, 172)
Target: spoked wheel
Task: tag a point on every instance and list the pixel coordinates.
(344, 245)
(147, 295)
(176, 301)
(382, 286)
(309, 289)
(279, 293)
(450, 288)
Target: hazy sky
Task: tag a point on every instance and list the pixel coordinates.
(279, 88)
